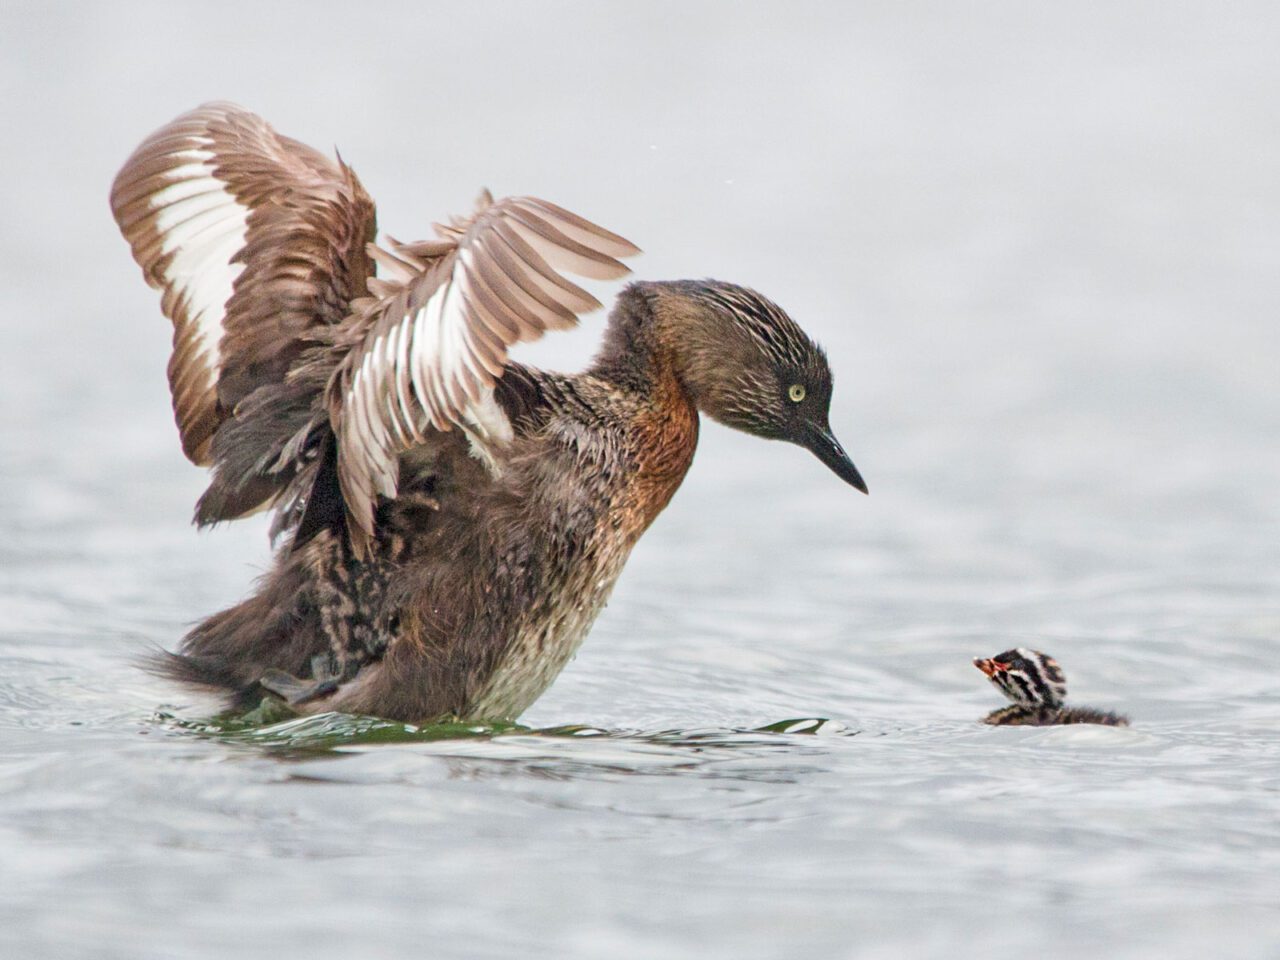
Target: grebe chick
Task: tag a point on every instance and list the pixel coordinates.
(1037, 686)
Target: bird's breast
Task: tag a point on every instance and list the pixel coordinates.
(627, 474)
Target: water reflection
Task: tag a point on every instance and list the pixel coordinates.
(778, 752)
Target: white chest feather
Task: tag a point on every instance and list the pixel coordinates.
(544, 648)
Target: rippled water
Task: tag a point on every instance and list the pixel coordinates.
(1041, 250)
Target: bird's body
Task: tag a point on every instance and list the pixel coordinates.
(487, 583)
(455, 520)
(1037, 686)
(1019, 716)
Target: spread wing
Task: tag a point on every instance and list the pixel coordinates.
(425, 354)
(261, 249)
(253, 240)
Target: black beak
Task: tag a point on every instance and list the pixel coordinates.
(818, 439)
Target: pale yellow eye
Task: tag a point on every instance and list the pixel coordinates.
(796, 393)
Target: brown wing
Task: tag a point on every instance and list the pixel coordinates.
(426, 354)
(253, 239)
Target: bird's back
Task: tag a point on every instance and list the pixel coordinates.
(1017, 715)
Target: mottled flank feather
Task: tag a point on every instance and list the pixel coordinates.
(1089, 715)
(1020, 716)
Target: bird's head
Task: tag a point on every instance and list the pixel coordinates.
(748, 365)
(1027, 677)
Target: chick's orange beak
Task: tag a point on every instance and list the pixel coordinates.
(989, 667)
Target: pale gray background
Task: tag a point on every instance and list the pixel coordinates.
(1040, 243)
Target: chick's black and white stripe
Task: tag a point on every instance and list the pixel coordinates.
(1038, 687)
(1030, 678)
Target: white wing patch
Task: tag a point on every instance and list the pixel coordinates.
(435, 340)
(201, 227)
(415, 375)
(255, 242)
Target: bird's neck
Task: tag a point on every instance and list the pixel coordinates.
(658, 335)
(638, 349)
(641, 357)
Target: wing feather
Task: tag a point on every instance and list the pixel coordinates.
(253, 240)
(436, 337)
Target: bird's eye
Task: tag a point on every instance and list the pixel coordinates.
(796, 393)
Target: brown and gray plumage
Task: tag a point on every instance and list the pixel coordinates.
(1037, 686)
(453, 521)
